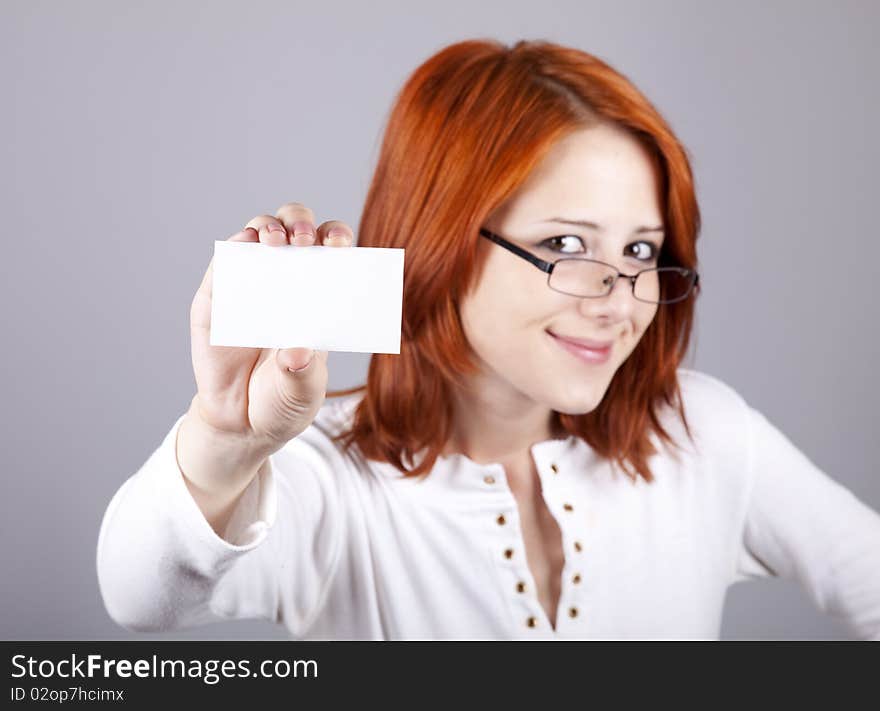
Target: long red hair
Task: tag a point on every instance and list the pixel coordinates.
(464, 132)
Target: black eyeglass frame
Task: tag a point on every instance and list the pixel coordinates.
(548, 267)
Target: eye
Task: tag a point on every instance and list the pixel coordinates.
(654, 251)
(645, 250)
(552, 243)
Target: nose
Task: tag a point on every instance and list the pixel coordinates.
(617, 305)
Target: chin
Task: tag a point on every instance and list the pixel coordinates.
(576, 411)
(578, 404)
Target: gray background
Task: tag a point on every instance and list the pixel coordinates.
(136, 135)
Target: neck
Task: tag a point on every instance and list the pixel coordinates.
(501, 430)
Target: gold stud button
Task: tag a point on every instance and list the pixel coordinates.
(520, 587)
(508, 552)
(577, 546)
(489, 479)
(554, 468)
(501, 520)
(576, 579)
(568, 507)
(572, 612)
(532, 622)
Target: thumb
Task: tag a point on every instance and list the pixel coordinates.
(284, 401)
(294, 359)
(301, 371)
(302, 380)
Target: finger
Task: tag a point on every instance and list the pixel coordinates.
(335, 233)
(269, 229)
(302, 234)
(248, 234)
(300, 223)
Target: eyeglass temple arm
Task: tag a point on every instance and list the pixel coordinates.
(537, 261)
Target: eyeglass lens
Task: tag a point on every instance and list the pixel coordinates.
(580, 277)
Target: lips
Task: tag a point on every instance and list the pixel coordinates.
(586, 354)
(584, 342)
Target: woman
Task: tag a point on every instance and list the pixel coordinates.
(524, 468)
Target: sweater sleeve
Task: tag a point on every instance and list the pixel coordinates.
(162, 567)
(803, 525)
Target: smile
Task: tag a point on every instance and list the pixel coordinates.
(594, 356)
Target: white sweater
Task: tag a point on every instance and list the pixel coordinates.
(335, 547)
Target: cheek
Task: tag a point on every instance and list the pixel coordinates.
(641, 321)
(645, 318)
(501, 325)
(486, 323)
(504, 304)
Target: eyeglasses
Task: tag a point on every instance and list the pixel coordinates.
(592, 279)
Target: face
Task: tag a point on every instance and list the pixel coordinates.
(600, 175)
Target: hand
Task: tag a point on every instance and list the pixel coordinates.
(253, 394)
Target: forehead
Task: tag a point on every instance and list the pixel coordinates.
(600, 173)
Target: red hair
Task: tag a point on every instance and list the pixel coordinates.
(465, 131)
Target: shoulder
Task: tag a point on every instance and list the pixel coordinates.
(708, 393)
(717, 414)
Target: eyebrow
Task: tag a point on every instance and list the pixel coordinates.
(595, 226)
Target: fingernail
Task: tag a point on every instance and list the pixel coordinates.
(302, 228)
(275, 228)
(337, 232)
(311, 358)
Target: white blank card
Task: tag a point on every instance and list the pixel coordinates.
(327, 298)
